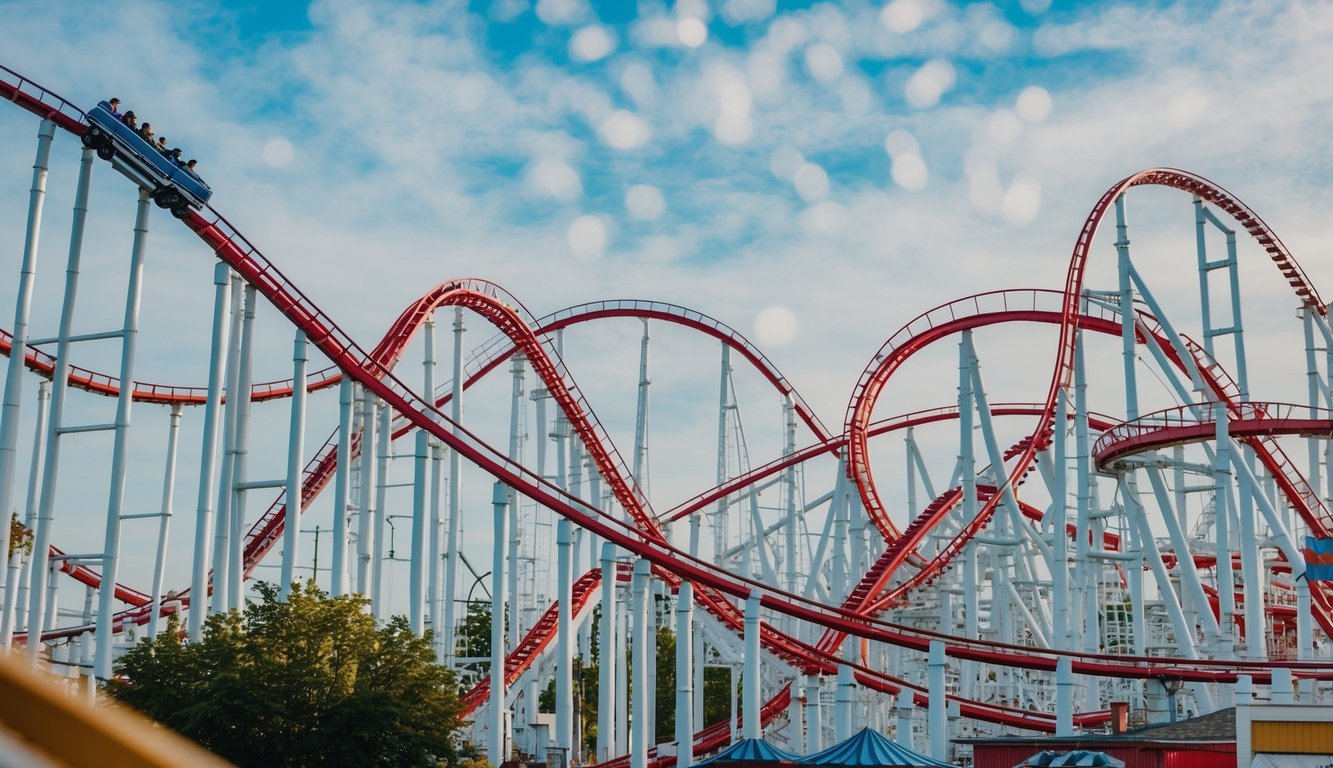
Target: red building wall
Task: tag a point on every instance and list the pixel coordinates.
(1202, 756)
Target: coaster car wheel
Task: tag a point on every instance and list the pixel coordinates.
(180, 210)
(167, 197)
(106, 151)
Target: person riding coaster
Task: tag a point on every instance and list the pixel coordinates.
(169, 183)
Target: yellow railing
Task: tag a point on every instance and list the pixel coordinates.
(35, 711)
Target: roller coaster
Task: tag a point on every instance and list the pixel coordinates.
(1129, 531)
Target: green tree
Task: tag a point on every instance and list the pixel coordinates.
(717, 690)
(304, 681)
(473, 641)
(20, 537)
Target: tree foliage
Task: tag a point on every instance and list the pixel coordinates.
(717, 689)
(20, 537)
(304, 681)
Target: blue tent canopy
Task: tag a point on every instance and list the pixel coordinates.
(1075, 758)
(870, 748)
(749, 751)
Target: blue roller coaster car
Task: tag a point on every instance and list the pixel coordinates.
(171, 186)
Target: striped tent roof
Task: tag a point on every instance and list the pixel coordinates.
(870, 748)
(1075, 758)
(750, 751)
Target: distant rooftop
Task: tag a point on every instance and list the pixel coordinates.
(1216, 727)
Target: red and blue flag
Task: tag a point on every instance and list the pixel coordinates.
(1318, 559)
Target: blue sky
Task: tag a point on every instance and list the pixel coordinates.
(812, 174)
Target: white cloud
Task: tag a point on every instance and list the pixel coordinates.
(825, 219)
(587, 237)
(736, 12)
(692, 32)
(554, 179)
(655, 32)
(645, 202)
(638, 82)
(925, 87)
(733, 128)
(1004, 126)
(561, 12)
(811, 182)
(909, 171)
(278, 152)
(775, 326)
(693, 9)
(1033, 104)
(1185, 108)
(766, 73)
(623, 129)
(1021, 202)
(785, 161)
(823, 62)
(903, 16)
(592, 43)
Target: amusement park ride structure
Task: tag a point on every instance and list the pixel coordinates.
(1019, 566)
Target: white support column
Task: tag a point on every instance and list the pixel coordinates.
(753, 629)
(383, 452)
(814, 717)
(432, 490)
(435, 594)
(1280, 690)
(365, 539)
(1252, 583)
(684, 678)
(906, 704)
(842, 702)
(1085, 594)
(453, 533)
(643, 698)
(20, 567)
(607, 701)
(164, 518)
(1059, 512)
(516, 595)
(1244, 727)
(291, 531)
(496, 752)
(50, 463)
(11, 404)
(1128, 337)
(106, 606)
(564, 665)
(236, 543)
(641, 415)
(226, 477)
(208, 470)
(338, 575)
(790, 494)
(1064, 696)
(1226, 585)
(1304, 625)
(621, 649)
(939, 723)
(416, 579)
